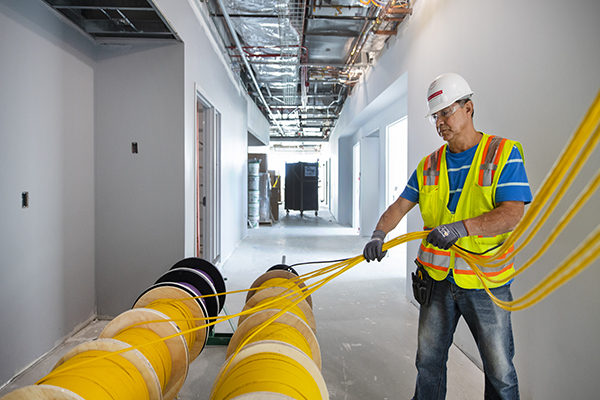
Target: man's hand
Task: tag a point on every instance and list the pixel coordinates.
(444, 236)
(373, 248)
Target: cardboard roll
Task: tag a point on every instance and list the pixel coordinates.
(198, 280)
(213, 272)
(135, 357)
(287, 318)
(265, 347)
(177, 291)
(158, 323)
(276, 274)
(41, 392)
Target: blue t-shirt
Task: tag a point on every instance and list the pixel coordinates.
(513, 184)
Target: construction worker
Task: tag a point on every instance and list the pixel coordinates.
(471, 192)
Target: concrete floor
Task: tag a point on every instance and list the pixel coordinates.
(366, 328)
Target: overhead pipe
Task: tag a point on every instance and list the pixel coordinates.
(248, 67)
(380, 16)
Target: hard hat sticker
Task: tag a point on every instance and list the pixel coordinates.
(434, 95)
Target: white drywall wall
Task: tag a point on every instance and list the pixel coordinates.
(534, 69)
(204, 68)
(46, 149)
(139, 197)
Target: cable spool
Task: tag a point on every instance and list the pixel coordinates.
(271, 358)
(80, 374)
(278, 277)
(284, 267)
(302, 309)
(310, 346)
(270, 367)
(177, 346)
(184, 294)
(212, 272)
(200, 281)
(162, 363)
(42, 392)
(263, 396)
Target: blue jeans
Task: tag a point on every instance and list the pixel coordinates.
(491, 327)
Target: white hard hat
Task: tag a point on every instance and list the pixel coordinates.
(445, 90)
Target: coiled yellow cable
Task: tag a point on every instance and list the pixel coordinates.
(157, 354)
(268, 372)
(180, 314)
(100, 378)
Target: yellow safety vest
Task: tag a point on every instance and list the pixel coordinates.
(477, 197)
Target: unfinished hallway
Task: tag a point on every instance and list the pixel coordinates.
(366, 327)
(100, 168)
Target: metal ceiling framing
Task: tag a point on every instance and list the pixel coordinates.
(106, 20)
(297, 59)
(300, 59)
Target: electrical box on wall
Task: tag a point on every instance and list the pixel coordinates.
(25, 200)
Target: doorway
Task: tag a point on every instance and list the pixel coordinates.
(397, 176)
(208, 180)
(356, 187)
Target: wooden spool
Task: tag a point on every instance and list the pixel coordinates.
(281, 348)
(147, 318)
(262, 396)
(135, 357)
(176, 291)
(288, 318)
(272, 275)
(273, 292)
(41, 392)
(198, 280)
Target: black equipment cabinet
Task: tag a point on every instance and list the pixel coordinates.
(302, 187)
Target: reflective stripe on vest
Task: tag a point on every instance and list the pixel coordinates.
(461, 266)
(491, 156)
(476, 198)
(431, 170)
(434, 258)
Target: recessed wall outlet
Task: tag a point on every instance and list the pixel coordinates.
(134, 147)
(25, 200)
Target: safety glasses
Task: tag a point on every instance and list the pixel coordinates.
(445, 113)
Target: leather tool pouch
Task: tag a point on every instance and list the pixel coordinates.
(422, 285)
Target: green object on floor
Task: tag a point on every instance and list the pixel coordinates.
(218, 338)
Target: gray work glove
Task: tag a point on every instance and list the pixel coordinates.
(444, 236)
(373, 248)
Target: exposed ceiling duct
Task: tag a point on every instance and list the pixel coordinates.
(305, 56)
(297, 59)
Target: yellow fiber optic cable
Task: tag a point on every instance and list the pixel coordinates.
(556, 175)
(100, 379)
(157, 354)
(180, 314)
(282, 333)
(268, 372)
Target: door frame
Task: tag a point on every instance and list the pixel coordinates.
(208, 181)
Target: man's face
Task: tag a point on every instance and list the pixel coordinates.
(450, 121)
